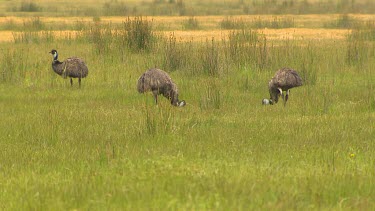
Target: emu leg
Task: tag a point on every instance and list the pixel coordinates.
(71, 81)
(282, 96)
(286, 97)
(156, 99)
(281, 93)
(79, 82)
(155, 93)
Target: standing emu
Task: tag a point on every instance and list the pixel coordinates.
(158, 82)
(73, 67)
(284, 79)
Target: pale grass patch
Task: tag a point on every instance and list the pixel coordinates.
(209, 25)
(6, 36)
(205, 21)
(271, 34)
(202, 36)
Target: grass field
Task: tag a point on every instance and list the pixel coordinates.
(105, 147)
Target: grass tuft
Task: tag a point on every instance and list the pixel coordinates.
(115, 8)
(232, 23)
(191, 24)
(211, 96)
(139, 35)
(275, 23)
(174, 56)
(13, 67)
(29, 6)
(211, 63)
(34, 24)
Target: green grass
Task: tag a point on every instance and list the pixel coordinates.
(105, 146)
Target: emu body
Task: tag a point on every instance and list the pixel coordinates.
(283, 80)
(159, 83)
(72, 67)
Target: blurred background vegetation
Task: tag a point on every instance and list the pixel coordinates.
(181, 7)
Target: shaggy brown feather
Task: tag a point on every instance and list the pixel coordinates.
(159, 83)
(284, 79)
(72, 67)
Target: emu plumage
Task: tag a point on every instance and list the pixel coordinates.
(283, 80)
(72, 67)
(159, 83)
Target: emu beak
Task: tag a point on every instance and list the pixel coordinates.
(267, 102)
(182, 103)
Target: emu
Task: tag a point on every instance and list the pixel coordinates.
(72, 67)
(159, 83)
(283, 80)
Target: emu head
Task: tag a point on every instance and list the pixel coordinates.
(176, 102)
(267, 102)
(54, 54)
(182, 103)
(275, 93)
(174, 99)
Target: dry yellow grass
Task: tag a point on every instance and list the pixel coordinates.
(6, 36)
(209, 26)
(199, 36)
(300, 20)
(271, 34)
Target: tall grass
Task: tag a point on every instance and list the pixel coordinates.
(29, 6)
(100, 36)
(116, 8)
(158, 121)
(13, 66)
(358, 49)
(232, 23)
(191, 24)
(210, 96)
(308, 66)
(247, 47)
(173, 7)
(343, 21)
(33, 37)
(274, 23)
(364, 34)
(139, 34)
(257, 23)
(34, 24)
(211, 64)
(174, 56)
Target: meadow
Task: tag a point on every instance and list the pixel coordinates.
(106, 147)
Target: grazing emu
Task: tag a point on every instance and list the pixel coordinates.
(158, 82)
(284, 79)
(72, 67)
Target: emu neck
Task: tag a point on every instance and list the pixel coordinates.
(57, 67)
(174, 99)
